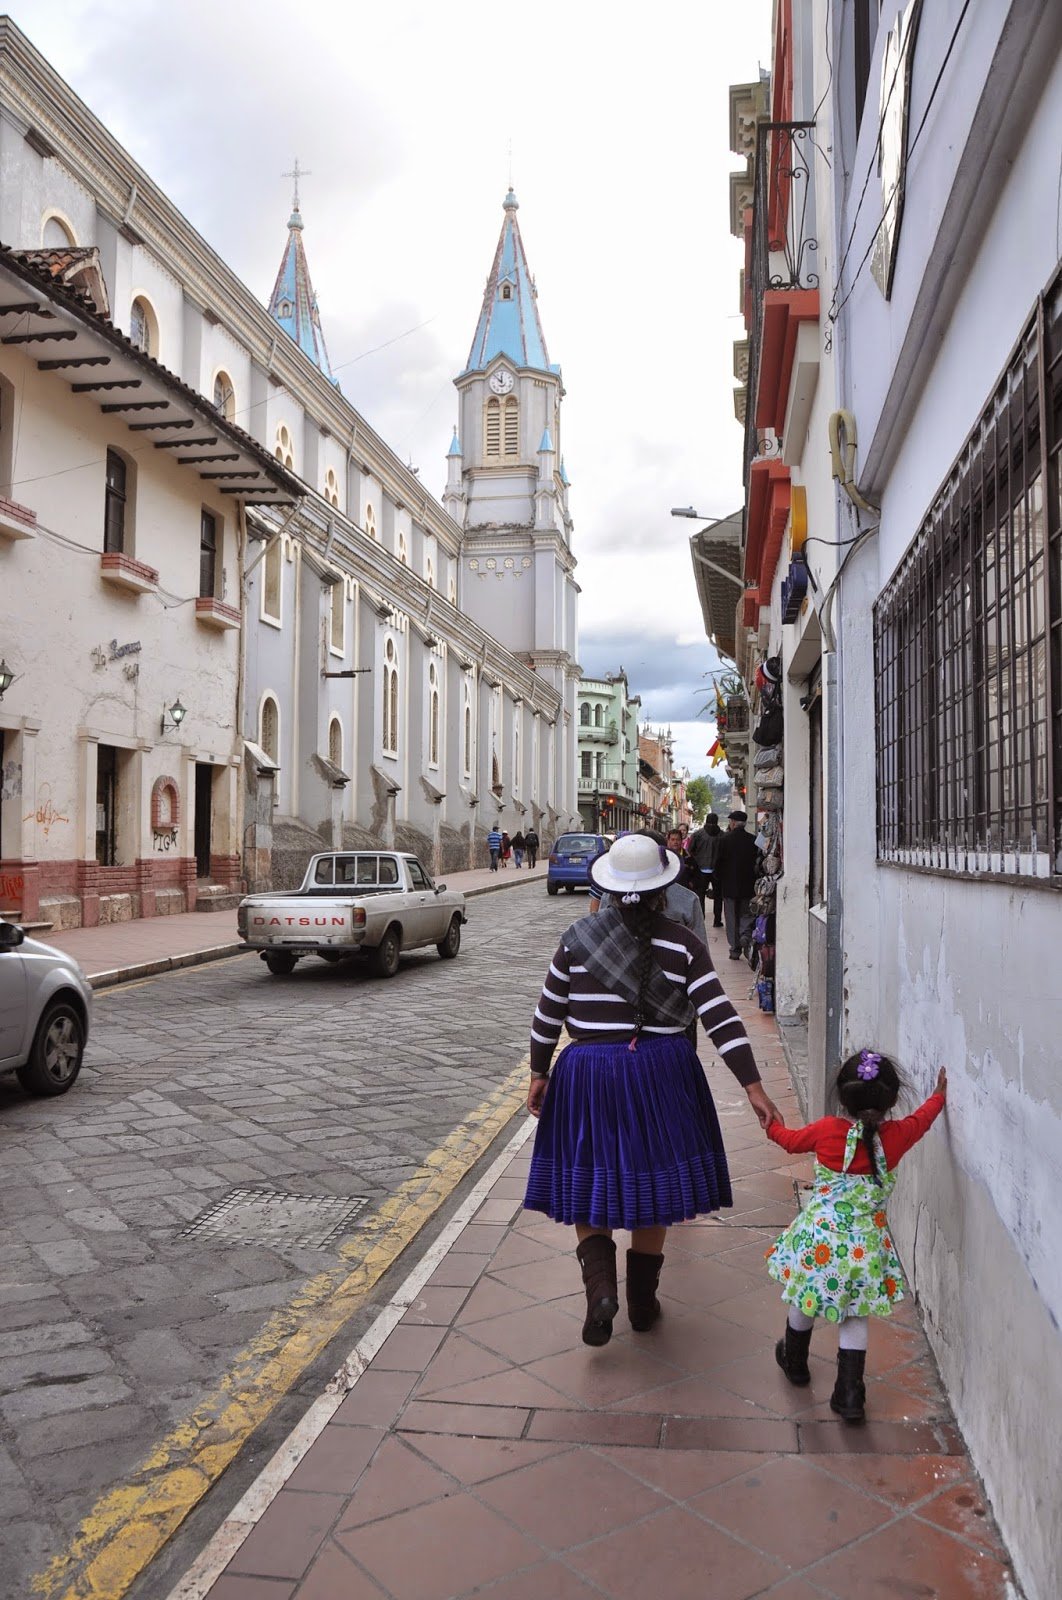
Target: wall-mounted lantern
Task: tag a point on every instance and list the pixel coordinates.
(176, 714)
(7, 678)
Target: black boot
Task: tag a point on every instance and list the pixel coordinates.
(643, 1275)
(597, 1257)
(791, 1354)
(849, 1392)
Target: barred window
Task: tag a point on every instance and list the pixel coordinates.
(968, 642)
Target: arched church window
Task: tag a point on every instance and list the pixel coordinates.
(56, 234)
(433, 716)
(599, 717)
(143, 327)
(507, 291)
(403, 550)
(269, 728)
(225, 397)
(370, 522)
(512, 426)
(390, 700)
(284, 308)
(495, 774)
(466, 761)
(331, 488)
(335, 742)
(584, 715)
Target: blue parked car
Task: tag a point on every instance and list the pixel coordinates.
(570, 858)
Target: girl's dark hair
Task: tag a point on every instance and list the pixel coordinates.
(638, 919)
(868, 1100)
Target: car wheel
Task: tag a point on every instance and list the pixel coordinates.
(551, 888)
(280, 964)
(449, 946)
(55, 1059)
(385, 957)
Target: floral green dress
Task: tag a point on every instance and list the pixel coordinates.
(837, 1259)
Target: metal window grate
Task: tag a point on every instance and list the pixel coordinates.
(968, 641)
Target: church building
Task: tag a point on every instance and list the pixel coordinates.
(347, 659)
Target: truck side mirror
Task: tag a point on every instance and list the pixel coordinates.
(440, 888)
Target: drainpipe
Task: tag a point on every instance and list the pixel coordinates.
(834, 1029)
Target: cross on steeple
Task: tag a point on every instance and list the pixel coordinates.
(296, 173)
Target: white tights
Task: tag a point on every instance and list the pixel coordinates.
(852, 1334)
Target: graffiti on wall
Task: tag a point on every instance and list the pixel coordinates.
(12, 885)
(165, 840)
(45, 815)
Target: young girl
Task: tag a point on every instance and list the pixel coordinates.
(836, 1259)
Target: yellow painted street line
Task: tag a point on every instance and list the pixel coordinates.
(167, 972)
(127, 1528)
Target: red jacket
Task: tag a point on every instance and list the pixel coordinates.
(829, 1135)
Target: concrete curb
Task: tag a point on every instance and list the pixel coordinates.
(219, 952)
(149, 969)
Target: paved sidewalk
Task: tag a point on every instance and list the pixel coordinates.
(123, 950)
(485, 1450)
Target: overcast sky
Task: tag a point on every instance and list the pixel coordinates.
(404, 114)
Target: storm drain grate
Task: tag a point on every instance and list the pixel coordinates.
(271, 1216)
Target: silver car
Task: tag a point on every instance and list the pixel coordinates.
(45, 1009)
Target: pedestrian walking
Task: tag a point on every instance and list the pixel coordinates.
(703, 850)
(494, 845)
(736, 866)
(628, 1135)
(506, 849)
(531, 845)
(837, 1260)
(518, 842)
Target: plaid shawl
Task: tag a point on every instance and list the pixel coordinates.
(604, 945)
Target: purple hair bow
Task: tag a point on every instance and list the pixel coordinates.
(868, 1065)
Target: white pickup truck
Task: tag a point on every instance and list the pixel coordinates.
(375, 903)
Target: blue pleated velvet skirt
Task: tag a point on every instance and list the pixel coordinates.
(628, 1138)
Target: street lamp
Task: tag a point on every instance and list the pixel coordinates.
(7, 678)
(711, 522)
(176, 713)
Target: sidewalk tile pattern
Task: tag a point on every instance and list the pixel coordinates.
(487, 1451)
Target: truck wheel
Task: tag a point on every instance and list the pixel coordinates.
(385, 956)
(280, 964)
(551, 888)
(449, 946)
(55, 1059)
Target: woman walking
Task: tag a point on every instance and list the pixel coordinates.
(628, 1135)
(517, 842)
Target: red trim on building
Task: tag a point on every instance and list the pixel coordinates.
(765, 518)
(783, 312)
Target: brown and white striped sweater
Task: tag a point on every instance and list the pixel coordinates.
(572, 996)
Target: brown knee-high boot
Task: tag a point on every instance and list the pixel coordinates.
(597, 1257)
(643, 1275)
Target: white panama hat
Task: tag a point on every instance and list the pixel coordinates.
(636, 864)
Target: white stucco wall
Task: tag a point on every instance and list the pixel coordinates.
(946, 971)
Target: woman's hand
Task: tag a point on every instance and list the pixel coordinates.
(941, 1085)
(536, 1094)
(763, 1105)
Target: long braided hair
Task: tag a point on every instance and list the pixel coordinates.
(869, 1099)
(638, 918)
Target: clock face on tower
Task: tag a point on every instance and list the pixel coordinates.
(501, 381)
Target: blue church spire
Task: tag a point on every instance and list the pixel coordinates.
(509, 323)
(293, 303)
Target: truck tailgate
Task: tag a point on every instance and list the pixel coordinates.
(294, 922)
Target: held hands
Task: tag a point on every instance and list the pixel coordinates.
(536, 1094)
(763, 1105)
(941, 1085)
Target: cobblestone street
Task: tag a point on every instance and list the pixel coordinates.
(113, 1322)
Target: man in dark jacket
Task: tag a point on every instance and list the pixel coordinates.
(736, 869)
(702, 850)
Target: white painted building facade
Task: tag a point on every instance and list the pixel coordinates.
(927, 804)
(454, 713)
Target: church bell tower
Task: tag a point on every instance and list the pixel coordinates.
(506, 482)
